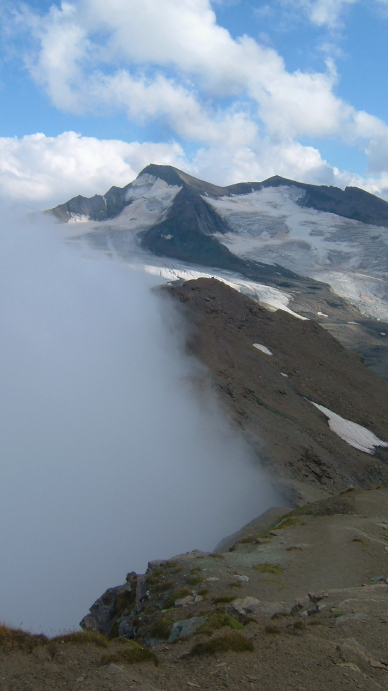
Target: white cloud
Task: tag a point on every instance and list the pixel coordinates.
(45, 171)
(328, 13)
(169, 61)
(196, 63)
(323, 12)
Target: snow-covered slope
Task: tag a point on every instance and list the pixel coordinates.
(271, 226)
(318, 251)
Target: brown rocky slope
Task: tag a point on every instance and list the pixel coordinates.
(291, 437)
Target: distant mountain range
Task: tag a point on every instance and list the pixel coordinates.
(318, 251)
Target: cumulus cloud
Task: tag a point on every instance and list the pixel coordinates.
(322, 12)
(41, 171)
(170, 60)
(329, 13)
(44, 171)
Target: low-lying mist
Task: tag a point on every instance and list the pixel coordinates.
(109, 459)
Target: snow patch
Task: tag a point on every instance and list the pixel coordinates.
(149, 200)
(268, 297)
(262, 348)
(284, 375)
(354, 434)
(78, 218)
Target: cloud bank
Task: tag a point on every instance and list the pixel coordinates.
(230, 108)
(109, 459)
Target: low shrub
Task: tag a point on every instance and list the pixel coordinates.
(223, 598)
(82, 638)
(132, 654)
(218, 621)
(16, 639)
(230, 641)
(176, 595)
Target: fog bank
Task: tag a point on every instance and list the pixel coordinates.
(109, 458)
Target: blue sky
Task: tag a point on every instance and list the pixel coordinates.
(228, 90)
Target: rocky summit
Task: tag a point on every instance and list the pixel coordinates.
(319, 250)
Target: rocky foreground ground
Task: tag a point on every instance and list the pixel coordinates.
(298, 600)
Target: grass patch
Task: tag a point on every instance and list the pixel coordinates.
(196, 580)
(161, 587)
(203, 592)
(223, 598)
(82, 638)
(274, 630)
(216, 555)
(234, 584)
(196, 570)
(287, 523)
(16, 639)
(162, 627)
(176, 595)
(173, 566)
(231, 641)
(218, 621)
(247, 540)
(132, 654)
(277, 581)
(269, 568)
(155, 576)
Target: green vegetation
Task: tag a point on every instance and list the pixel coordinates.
(216, 555)
(155, 576)
(269, 568)
(287, 523)
(196, 570)
(234, 584)
(277, 581)
(270, 628)
(82, 638)
(164, 586)
(162, 627)
(203, 592)
(248, 539)
(218, 621)
(124, 600)
(16, 639)
(173, 566)
(176, 595)
(133, 653)
(231, 641)
(195, 581)
(223, 598)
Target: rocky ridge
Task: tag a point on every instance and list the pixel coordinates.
(299, 603)
(270, 394)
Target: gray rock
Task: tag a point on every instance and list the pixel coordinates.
(102, 613)
(185, 628)
(242, 607)
(183, 601)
